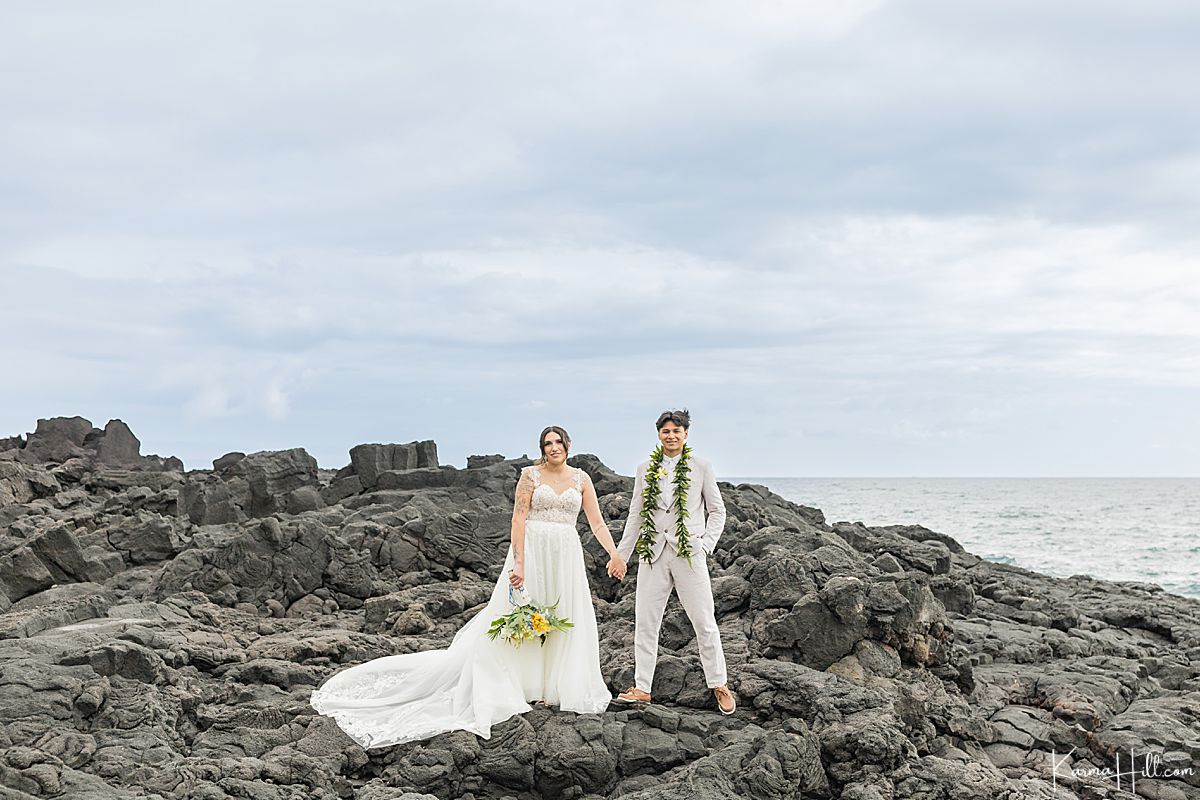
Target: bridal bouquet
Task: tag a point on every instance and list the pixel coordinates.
(526, 621)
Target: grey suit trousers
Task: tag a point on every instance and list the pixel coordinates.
(654, 584)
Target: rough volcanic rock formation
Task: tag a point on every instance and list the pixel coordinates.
(160, 633)
(64, 440)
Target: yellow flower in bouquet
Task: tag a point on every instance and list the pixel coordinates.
(527, 621)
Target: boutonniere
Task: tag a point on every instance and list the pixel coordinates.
(656, 473)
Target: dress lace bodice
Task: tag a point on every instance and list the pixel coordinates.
(550, 506)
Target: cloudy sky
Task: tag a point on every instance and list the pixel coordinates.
(856, 238)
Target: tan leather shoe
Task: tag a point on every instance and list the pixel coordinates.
(633, 695)
(725, 700)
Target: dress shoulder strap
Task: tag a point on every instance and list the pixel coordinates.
(579, 479)
(536, 475)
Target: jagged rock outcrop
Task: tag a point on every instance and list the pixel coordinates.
(62, 440)
(368, 461)
(160, 633)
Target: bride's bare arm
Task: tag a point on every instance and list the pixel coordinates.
(521, 503)
(591, 508)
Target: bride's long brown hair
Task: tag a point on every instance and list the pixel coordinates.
(566, 438)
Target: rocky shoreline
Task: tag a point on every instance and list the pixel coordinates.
(161, 630)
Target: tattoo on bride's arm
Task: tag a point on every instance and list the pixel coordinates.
(524, 496)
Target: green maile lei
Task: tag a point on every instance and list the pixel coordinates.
(652, 491)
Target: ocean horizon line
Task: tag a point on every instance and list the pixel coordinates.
(966, 477)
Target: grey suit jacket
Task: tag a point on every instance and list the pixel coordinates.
(703, 496)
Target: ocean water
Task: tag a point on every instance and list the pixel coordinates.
(1124, 529)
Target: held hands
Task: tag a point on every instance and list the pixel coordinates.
(617, 568)
(517, 576)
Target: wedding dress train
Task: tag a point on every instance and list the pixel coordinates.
(477, 682)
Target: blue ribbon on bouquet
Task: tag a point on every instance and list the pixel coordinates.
(512, 593)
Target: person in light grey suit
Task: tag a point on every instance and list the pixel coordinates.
(668, 563)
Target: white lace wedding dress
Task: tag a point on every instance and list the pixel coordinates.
(478, 682)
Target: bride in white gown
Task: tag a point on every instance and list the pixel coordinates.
(478, 682)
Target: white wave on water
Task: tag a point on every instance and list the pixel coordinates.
(1121, 529)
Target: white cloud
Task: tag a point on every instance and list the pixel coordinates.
(276, 216)
(212, 399)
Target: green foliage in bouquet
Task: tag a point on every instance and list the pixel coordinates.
(527, 621)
